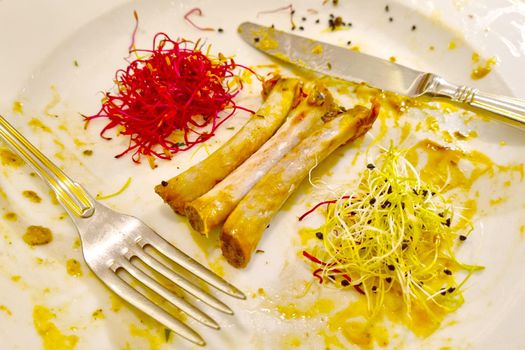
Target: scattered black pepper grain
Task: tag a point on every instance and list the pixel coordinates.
(370, 166)
(413, 27)
(220, 30)
(462, 237)
(447, 223)
(319, 235)
(292, 12)
(317, 21)
(301, 28)
(331, 277)
(388, 279)
(391, 19)
(304, 19)
(443, 291)
(164, 183)
(348, 43)
(447, 272)
(404, 246)
(391, 267)
(374, 288)
(451, 289)
(372, 201)
(345, 283)
(329, 65)
(75, 63)
(256, 39)
(272, 26)
(387, 8)
(349, 24)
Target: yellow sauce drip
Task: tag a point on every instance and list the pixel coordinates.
(481, 69)
(32, 196)
(10, 216)
(319, 307)
(52, 337)
(74, 268)
(55, 100)
(38, 125)
(18, 107)
(9, 158)
(98, 314)
(6, 310)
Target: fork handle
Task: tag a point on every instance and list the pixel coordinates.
(71, 194)
(511, 110)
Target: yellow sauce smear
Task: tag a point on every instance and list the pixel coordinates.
(37, 235)
(52, 337)
(32, 196)
(442, 165)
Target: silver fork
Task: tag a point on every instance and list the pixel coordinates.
(111, 241)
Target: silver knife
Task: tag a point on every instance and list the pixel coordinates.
(355, 66)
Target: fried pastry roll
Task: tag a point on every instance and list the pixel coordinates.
(245, 226)
(212, 208)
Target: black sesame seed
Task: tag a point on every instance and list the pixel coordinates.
(413, 27)
(220, 30)
(319, 235)
(164, 183)
(374, 288)
(404, 246)
(451, 289)
(403, 205)
(369, 222)
(301, 28)
(391, 19)
(441, 215)
(345, 283)
(391, 267)
(387, 8)
(256, 39)
(349, 43)
(462, 237)
(317, 21)
(443, 291)
(370, 166)
(372, 201)
(388, 279)
(447, 272)
(447, 223)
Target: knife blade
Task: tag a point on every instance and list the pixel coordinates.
(350, 65)
(330, 59)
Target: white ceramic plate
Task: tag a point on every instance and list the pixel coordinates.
(40, 41)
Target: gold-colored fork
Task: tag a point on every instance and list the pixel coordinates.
(111, 241)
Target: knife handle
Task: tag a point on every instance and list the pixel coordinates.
(511, 110)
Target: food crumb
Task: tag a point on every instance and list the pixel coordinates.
(32, 196)
(16, 278)
(452, 45)
(392, 59)
(87, 152)
(37, 235)
(74, 268)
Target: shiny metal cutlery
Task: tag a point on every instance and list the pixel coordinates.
(114, 243)
(355, 66)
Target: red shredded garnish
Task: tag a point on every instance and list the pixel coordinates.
(198, 12)
(314, 208)
(284, 8)
(317, 272)
(176, 88)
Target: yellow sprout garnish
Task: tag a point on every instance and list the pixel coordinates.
(394, 234)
